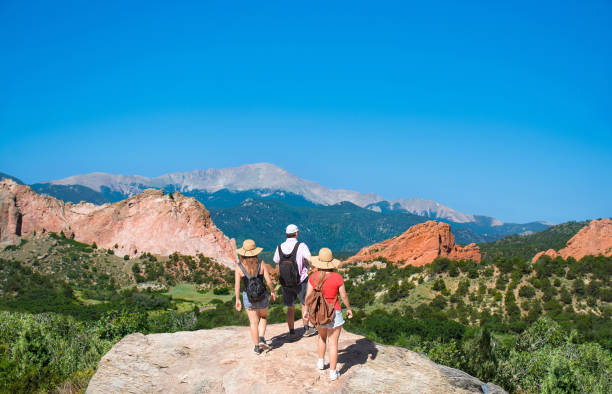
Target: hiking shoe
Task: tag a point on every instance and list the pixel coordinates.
(263, 345)
(257, 350)
(321, 364)
(292, 336)
(310, 331)
(333, 374)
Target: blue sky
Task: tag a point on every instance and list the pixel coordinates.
(498, 109)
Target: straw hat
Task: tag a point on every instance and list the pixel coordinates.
(324, 260)
(249, 249)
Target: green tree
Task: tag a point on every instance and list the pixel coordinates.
(527, 291)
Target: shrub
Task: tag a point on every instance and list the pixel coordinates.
(546, 360)
(565, 296)
(463, 287)
(438, 285)
(605, 294)
(527, 291)
(439, 302)
(501, 282)
(579, 287)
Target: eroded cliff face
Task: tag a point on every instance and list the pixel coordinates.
(419, 245)
(148, 222)
(221, 360)
(594, 239)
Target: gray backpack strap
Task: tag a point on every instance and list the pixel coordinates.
(244, 271)
(258, 268)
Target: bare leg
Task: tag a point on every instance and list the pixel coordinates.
(254, 323)
(304, 320)
(334, 335)
(263, 321)
(321, 343)
(290, 317)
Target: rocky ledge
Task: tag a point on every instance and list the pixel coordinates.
(221, 360)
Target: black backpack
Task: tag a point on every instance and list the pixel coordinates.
(254, 285)
(288, 273)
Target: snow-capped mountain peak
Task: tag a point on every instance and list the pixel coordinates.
(263, 176)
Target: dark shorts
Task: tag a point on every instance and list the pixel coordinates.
(291, 293)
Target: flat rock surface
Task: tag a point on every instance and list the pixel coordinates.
(221, 360)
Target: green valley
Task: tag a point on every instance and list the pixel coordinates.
(528, 327)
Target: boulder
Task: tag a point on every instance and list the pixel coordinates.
(419, 245)
(221, 360)
(148, 222)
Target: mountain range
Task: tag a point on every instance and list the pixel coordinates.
(233, 194)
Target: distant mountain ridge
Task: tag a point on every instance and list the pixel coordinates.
(341, 227)
(263, 176)
(223, 192)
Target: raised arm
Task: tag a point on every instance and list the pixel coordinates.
(237, 287)
(345, 301)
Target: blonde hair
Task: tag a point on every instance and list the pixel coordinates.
(250, 264)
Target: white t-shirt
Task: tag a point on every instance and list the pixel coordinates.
(302, 253)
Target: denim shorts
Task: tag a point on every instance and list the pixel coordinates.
(338, 321)
(263, 304)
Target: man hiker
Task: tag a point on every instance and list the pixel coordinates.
(291, 257)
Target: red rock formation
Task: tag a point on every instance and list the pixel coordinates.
(148, 222)
(420, 245)
(550, 252)
(594, 239)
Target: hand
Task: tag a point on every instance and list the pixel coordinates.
(273, 296)
(349, 313)
(238, 305)
(305, 315)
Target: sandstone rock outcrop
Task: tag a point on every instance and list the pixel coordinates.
(419, 245)
(594, 239)
(221, 360)
(148, 222)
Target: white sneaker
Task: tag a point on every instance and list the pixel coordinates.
(321, 363)
(333, 374)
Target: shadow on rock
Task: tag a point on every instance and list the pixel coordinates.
(358, 353)
(280, 340)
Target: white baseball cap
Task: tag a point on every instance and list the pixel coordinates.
(291, 229)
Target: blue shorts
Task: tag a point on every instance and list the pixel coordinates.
(338, 321)
(263, 304)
